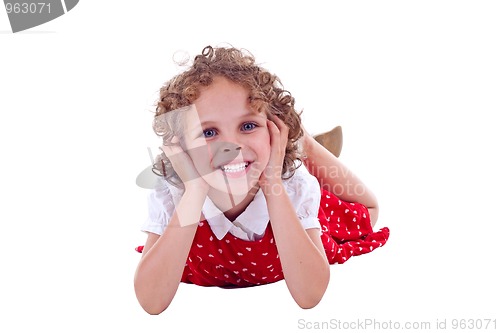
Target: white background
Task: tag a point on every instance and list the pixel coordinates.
(414, 84)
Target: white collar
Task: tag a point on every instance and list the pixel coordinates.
(249, 225)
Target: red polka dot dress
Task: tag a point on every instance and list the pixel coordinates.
(231, 261)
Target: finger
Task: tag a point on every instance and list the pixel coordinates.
(282, 127)
(279, 123)
(171, 150)
(274, 133)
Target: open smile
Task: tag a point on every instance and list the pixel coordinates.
(234, 170)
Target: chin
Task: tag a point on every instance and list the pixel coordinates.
(235, 186)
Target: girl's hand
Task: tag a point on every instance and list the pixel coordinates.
(184, 166)
(278, 132)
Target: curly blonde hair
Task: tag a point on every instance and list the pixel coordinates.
(266, 94)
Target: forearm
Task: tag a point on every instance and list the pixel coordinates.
(305, 267)
(160, 270)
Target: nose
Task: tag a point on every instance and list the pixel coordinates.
(224, 152)
(227, 149)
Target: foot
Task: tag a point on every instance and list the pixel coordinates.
(331, 140)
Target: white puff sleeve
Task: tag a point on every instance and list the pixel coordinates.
(161, 206)
(305, 193)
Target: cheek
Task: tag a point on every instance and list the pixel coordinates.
(201, 159)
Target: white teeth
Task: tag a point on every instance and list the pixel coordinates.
(234, 167)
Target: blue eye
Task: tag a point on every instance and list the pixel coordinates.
(209, 133)
(248, 126)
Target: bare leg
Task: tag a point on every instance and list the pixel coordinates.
(335, 177)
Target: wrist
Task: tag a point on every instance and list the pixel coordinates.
(194, 188)
(273, 188)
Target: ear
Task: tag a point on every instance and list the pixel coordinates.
(331, 140)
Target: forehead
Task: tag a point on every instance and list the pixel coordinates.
(224, 98)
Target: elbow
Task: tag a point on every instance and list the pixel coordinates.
(314, 294)
(373, 211)
(149, 300)
(152, 307)
(311, 300)
(154, 311)
(309, 304)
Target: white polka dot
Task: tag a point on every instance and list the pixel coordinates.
(236, 272)
(232, 262)
(353, 219)
(265, 253)
(239, 253)
(211, 255)
(346, 210)
(253, 263)
(199, 245)
(245, 269)
(220, 250)
(211, 238)
(248, 248)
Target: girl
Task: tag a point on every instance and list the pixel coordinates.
(247, 197)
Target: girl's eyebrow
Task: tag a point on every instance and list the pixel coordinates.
(199, 126)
